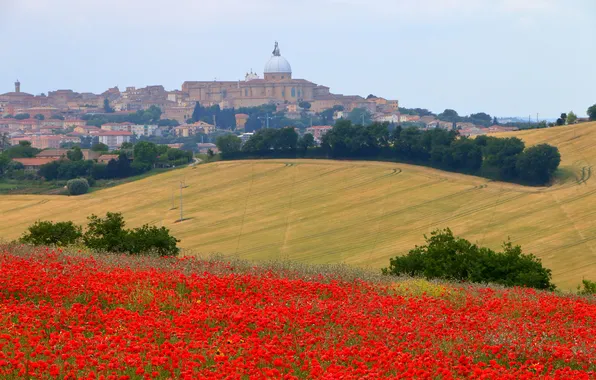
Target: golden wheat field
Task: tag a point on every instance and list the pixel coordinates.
(354, 212)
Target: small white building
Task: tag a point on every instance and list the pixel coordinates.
(145, 130)
(114, 139)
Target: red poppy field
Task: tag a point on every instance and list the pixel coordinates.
(108, 317)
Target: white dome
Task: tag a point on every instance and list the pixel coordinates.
(277, 65)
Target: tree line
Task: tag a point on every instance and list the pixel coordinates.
(505, 159)
(131, 160)
(152, 115)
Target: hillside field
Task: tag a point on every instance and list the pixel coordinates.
(354, 212)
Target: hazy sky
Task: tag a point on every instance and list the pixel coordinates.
(504, 57)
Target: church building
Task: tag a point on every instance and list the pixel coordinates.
(276, 86)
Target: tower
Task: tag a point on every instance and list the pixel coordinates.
(17, 86)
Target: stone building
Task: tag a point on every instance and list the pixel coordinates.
(276, 86)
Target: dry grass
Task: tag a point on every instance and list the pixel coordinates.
(357, 213)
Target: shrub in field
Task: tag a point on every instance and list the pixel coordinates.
(589, 287)
(449, 257)
(77, 186)
(48, 233)
(108, 234)
(150, 239)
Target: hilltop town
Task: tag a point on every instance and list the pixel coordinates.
(63, 118)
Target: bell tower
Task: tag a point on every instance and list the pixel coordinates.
(17, 86)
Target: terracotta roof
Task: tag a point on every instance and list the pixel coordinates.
(52, 153)
(35, 161)
(107, 157)
(89, 127)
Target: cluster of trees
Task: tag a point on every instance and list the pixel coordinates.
(224, 119)
(152, 115)
(104, 235)
(146, 156)
(501, 158)
(265, 142)
(448, 257)
(567, 118)
(13, 169)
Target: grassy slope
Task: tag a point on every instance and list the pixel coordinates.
(359, 213)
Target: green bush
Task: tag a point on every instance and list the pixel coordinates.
(589, 287)
(77, 186)
(48, 233)
(150, 239)
(108, 234)
(448, 257)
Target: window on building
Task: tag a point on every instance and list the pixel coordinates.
(282, 77)
(283, 93)
(246, 92)
(293, 92)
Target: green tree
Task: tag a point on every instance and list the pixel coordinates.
(99, 147)
(152, 240)
(360, 116)
(109, 235)
(538, 163)
(49, 171)
(4, 162)
(449, 257)
(449, 115)
(106, 234)
(228, 144)
(306, 142)
(304, 105)
(4, 141)
(197, 113)
(571, 118)
(589, 288)
(106, 106)
(481, 118)
(39, 117)
(22, 150)
(57, 117)
(60, 234)
(146, 153)
(77, 186)
(75, 154)
(287, 138)
(592, 112)
(22, 116)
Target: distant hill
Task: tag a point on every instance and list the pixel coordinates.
(360, 213)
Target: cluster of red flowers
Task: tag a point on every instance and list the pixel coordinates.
(80, 317)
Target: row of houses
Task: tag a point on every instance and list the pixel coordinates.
(51, 155)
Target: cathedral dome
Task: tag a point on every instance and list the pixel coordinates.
(277, 64)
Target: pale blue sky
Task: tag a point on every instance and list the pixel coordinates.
(504, 57)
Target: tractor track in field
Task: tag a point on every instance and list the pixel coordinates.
(347, 227)
(300, 199)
